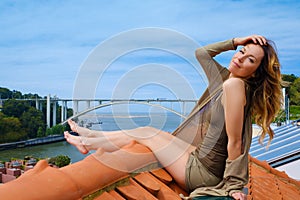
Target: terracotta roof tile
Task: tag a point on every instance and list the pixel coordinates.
(266, 182)
(162, 175)
(105, 196)
(165, 191)
(148, 182)
(134, 191)
(85, 180)
(116, 195)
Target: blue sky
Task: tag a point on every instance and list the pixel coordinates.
(44, 44)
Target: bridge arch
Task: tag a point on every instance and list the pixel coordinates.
(122, 102)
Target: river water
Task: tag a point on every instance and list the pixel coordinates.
(167, 122)
(43, 151)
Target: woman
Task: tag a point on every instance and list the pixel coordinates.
(215, 160)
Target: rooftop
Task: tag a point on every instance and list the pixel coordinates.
(284, 148)
(284, 151)
(268, 183)
(89, 179)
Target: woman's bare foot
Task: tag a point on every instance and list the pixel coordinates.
(76, 141)
(73, 125)
(80, 130)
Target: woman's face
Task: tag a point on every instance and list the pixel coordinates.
(245, 62)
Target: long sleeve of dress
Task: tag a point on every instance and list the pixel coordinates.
(215, 73)
(205, 56)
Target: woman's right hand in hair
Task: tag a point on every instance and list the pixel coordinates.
(256, 39)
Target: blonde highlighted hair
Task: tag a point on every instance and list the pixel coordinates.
(265, 87)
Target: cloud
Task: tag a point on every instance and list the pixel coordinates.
(43, 44)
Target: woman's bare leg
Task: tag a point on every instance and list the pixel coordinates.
(108, 141)
(170, 151)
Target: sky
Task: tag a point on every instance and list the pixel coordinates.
(133, 46)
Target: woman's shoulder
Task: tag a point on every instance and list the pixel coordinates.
(233, 81)
(234, 84)
(234, 91)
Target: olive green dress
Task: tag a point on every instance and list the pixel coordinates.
(205, 129)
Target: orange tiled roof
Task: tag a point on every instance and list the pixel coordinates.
(268, 183)
(265, 183)
(89, 179)
(156, 184)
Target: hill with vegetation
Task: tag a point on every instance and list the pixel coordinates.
(20, 120)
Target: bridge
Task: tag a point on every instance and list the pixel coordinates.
(83, 106)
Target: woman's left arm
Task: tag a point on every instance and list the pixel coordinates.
(234, 100)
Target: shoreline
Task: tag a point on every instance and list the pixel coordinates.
(32, 142)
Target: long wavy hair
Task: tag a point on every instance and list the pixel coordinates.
(266, 91)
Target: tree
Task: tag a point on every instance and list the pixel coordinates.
(293, 89)
(289, 78)
(48, 131)
(14, 108)
(57, 129)
(5, 93)
(31, 96)
(16, 94)
(295, 92)
(40, 132)
(60, 160)
(32, 120)
(10, 129)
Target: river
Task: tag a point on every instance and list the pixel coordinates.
(43, 151)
